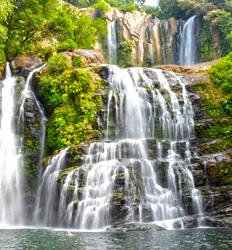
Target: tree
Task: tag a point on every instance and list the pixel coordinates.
(170, 8)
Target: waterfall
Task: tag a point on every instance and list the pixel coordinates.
(188, 43)
(112, 42)
(11, 162)
(45, 211)
(11, 159)
(152, 59)
(146, 111)
(28, 93)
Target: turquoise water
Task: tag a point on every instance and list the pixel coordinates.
(203, 239)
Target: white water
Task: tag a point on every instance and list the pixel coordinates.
(11, 162)
(188, 43)
(112, 42)
(152, 59)
(45, 211)
(28, 93)
(140, 108)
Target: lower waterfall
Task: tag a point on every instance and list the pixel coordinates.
(140, 171)
(11, 161)
(12, 182)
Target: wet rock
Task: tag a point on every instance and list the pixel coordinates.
(189, 222)
(24, 64)
(135, 227)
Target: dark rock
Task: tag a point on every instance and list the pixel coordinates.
(135, 227)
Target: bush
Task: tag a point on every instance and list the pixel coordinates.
(58, 63)
(128, 8)
(101, 7)
(221, 74)
(70, 102)
(125, 54)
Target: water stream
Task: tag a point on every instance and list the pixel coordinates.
(112, 42)
(11, 161)
(188, 42)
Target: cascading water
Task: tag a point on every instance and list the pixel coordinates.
(112, 42)
(188, 43)
(11, 162)
(145, 112)
(152, 59)
(45, 211)
(28, 93)
(11, 159)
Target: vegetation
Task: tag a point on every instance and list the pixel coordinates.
(43, 26)
(69, 93)
(216, 13)
(125, 54)
(218, 103)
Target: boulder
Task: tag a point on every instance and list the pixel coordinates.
(89, 56)
(24, 64)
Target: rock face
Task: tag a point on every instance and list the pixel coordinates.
(154, 41)
(158, 41)
(25, 63)
(87, 56)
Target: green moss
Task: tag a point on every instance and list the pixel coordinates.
(117, 197)
(71, 102)
(125, 54)
(31, 175)
(220, 126)
(65, 173)
(36, 126)
(137, 198)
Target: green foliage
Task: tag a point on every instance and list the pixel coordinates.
(217, 99)
(206, 46)
(127, 8)
(43, 26)
(31, 176)
(170, 8)
(69, 94)
(221, 74)
(151, 10)
(58, 63)
(223, 20)
(125, 54)
(77, 62)
(101, 7)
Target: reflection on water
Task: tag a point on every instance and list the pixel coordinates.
(199, 239)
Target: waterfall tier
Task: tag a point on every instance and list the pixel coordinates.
(141, 170)
(188, 42)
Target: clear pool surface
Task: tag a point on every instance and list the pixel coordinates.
(165, 240)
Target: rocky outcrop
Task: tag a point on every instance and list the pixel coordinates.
(88, 56)
(25, 63)
(158, 41)
(154, 41)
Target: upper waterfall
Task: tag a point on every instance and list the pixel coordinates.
(188, 42)
(112, 42)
